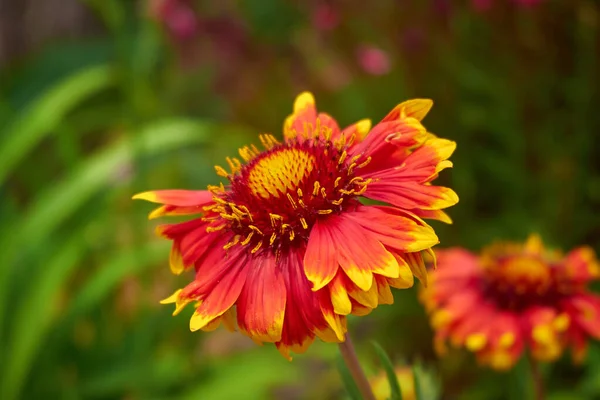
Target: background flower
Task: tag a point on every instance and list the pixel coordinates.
(513, 299)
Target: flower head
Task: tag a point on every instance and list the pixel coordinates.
(286, 250)
(514, 298)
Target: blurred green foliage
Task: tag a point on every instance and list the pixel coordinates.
(84, 124)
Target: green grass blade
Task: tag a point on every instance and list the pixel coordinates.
(43, 115)
(101, 284)
(33, 315)
(389, 371)
(62, 199)
(351, 389)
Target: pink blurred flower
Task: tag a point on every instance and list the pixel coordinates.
(325, 17)
(527, 3)
(485, 5)
(481, 5)
(177, 16)
(373, 60)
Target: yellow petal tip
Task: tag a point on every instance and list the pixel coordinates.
(304, 99)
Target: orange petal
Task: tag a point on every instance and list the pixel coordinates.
(321, 258)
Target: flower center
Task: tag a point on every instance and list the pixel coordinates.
(517, 281)
(276, 197)
(280, 172)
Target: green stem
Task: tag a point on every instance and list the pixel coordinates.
(349, 355)
(536, 377)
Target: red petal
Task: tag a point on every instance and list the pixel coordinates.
(303, 315)
(261, 306)
(223, 294)
(176, 197)
(411, 195)
(359, 253)
(394, 229)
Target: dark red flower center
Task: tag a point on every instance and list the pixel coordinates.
(276, 197)
(517, 282)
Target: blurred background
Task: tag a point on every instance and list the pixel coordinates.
(100, 99)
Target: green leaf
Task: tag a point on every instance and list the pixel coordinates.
(34, 313)
(102, 283)
(251, 374)
(62, 199)
(44, 113)
(349, 384)
(389, 371)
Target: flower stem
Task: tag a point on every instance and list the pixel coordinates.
(536, 377)
(349, 355)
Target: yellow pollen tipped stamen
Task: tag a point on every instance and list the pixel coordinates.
(219, 200)
(304, 224)
(284, 227)
(294, 206)
(324, 212)
(255, 229)
(302, 204)
(216, 189)
(229, 245)
(275, 218)
(316, 187)
(248, 153)
(221, 171)
(351, 168)
(299, 191)
(323, 193)
(338, 202)
(248, 213)
(248, 238)
(210, 229)
(234, 164)
(342, 157)
(272, 238)
(347, 192)
(364, 163)
(337, 181)
(236, 210)
(256, 248)
(268, 141)
(351, 140)
(361, 191)
(327, 133)
(292, 235)
(230, 217)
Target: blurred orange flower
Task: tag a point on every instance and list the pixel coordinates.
(288, 246)
(514, 298)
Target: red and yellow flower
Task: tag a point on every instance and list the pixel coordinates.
(286, 250)
(514, 298)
